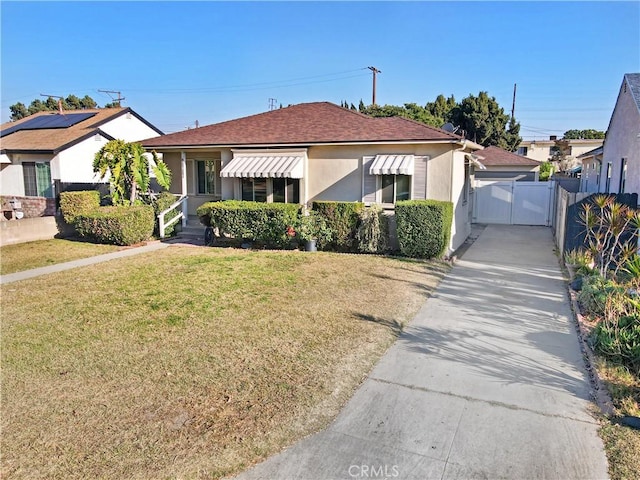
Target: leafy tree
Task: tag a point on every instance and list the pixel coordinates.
(128, 170)
(441, 108)
(484, 122)
(18, 111)
(72, 102)
(480, 118)
(546, 170)
(587, 134)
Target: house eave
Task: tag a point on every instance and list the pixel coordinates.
(466, 144)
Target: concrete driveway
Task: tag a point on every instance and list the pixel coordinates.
(488, 381)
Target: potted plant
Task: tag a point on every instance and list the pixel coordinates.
(312, 230)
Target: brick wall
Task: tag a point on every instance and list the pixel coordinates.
(31, 206)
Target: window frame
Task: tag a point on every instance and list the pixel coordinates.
(269, 189)
(32, 181)
(380, 187)
(216, 174)
(623, 175)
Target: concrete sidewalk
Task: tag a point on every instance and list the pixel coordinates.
(82, 262)
(487, 382)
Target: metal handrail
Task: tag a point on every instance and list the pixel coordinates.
(162, 224)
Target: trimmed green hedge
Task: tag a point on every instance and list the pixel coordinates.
(256, 221)
(424, 227)
(117, 225)
(73, 204)
(342, 219)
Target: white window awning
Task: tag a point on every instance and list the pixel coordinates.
(392, 165)
(265, 165)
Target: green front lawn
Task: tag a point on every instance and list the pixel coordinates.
(25, 256)
(191, 362)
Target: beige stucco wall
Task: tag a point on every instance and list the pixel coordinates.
(623, 141)
(540, 149)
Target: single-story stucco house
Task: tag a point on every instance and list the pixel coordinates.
(500, 164)
(44, 153)
(321, 151)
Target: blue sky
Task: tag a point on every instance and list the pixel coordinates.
(178, 62)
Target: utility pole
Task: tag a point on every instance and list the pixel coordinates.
(375, 71)
(513, 105)
(59, 100)
(272, 103)
(109, 92)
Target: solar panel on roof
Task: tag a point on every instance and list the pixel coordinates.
(57, 120)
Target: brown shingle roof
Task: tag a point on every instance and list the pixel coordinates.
(306, 123)
(496, 157)
(53, 140)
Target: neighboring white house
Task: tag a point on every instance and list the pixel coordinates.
(47, 149)
(591, 166)
(320, 151)
(620, 172)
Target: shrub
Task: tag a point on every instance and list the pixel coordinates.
(313, 227)
(117, 225)
(342, 219)
(598, 295)
(373, 231)
(163, 201)
(424, 227)
(619, 340)
(255, 221)
(73, 204)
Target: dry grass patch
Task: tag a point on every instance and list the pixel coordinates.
(622, 443)
(191, 362)
(25, 256)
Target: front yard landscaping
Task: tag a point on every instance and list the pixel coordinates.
(25, 256)
(191, 362)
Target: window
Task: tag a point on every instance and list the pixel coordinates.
(607, 184)
(37, 179)
(395, 188)
(254, 189)
(623, 175)
(286, 190)
(523, 151)
(207, 177)
(276, 190)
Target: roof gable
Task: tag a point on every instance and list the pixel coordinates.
(497, 157)
(306, 123)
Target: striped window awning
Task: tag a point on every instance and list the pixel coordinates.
(392, 165)
(265, 165)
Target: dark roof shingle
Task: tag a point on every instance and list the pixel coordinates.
(306, 123)
(497, 157)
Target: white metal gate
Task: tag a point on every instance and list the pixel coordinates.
(514, 203)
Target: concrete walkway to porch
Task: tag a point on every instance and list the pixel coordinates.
(488, 381)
